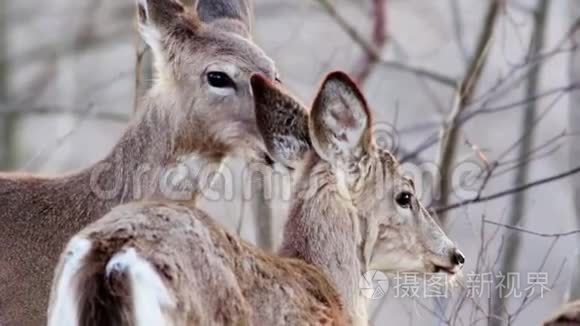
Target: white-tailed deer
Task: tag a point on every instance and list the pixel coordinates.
(163, 263)
(199, 110)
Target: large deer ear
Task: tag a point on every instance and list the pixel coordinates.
(156, 17)
(340, 121)
(282, 121)
(232, 15)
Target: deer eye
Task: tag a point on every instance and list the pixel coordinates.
(404, 199)
(220, 79)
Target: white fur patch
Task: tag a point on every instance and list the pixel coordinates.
(65, 308)
(148, 31)
(152, 37)
(149, 293)
(222, 91)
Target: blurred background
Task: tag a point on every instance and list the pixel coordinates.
(485, 90)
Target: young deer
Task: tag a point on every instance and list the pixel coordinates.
(163, 263)
(199, 110)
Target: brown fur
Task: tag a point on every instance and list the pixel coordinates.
(217, 278)
(180, 116)
(102, 294)
(568, 315)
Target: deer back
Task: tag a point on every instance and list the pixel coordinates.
(192, 271)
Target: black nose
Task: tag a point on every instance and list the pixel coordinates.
(457, 258)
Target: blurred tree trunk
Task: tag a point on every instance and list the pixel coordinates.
(509, 257)
(574, 112)
(7, 121)
(450, 133)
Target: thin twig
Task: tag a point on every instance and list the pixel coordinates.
(370, 50)
(379, 39)
(539, 234)
(433, 138)
(508, 192)
(496, 90)
(511, 253)
(434, 76)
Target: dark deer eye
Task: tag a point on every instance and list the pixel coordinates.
(219, 79)
(404, 199)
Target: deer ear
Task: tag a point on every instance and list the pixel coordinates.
(155, 19)
(282, 121)
(231, 15)
(340, 121)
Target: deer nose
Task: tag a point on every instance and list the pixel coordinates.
(457, 257)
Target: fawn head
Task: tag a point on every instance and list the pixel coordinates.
(203, 58)
(397, 233)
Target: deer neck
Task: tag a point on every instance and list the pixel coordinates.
(323, 230)
(153, 160)
(150, 161)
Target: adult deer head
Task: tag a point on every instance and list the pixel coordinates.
(203, 61)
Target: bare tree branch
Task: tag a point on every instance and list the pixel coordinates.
(511, 252)
(539, 234)
(7, 123)
(371, 51)
(496, 91)
(508, 192)
(450, 132)
(574, 122)
(379, 38)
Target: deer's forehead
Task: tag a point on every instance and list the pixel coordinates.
(252, 59)
(392, 175)
(232, 48)
(388, 162)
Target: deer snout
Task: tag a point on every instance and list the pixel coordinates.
(450, 262)
(457, 258)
